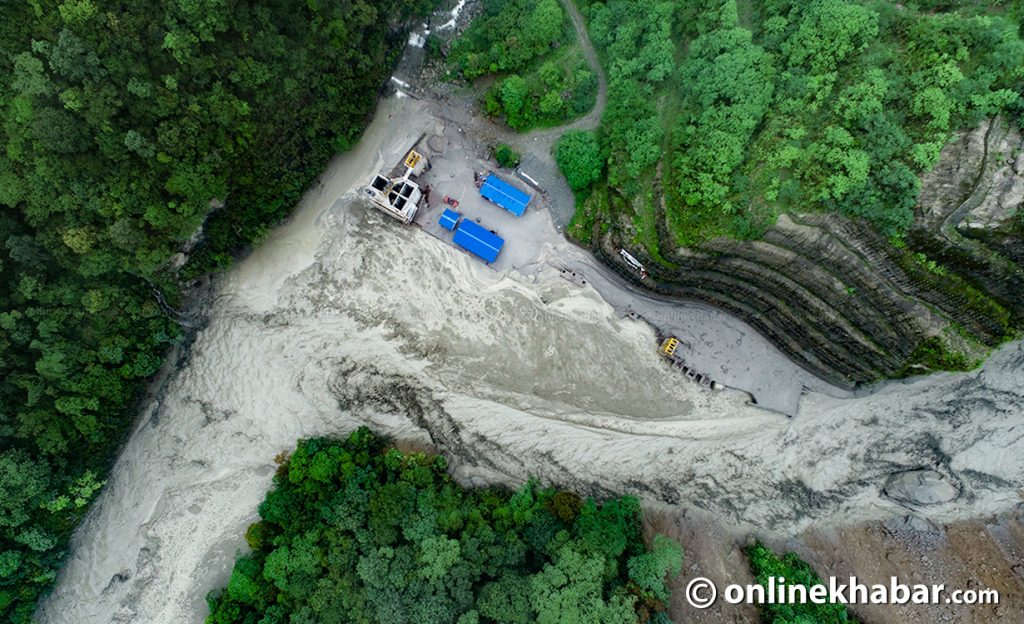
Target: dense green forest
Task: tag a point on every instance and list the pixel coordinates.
(527, 49)
(739, 111)
(126, 127)
(357, 531)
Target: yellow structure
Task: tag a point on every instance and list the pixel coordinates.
(668, 346)
(413, 159)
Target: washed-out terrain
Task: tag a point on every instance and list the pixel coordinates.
(344, 318)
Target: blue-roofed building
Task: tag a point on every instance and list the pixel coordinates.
(505, 195)
(478, 240)
(449, 219)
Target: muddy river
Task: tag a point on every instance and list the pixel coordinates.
(343, 318)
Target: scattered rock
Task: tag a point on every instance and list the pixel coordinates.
(910, 524)
(437, 144)
(914, 531)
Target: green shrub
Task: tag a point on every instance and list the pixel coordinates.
(506, 156)
(765, 565)
(932, 354)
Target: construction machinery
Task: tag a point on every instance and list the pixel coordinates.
(668, 346)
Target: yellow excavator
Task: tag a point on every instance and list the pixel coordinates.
(668, 346)
(413, 159)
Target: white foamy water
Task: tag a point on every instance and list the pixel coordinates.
(344, 318)
(455, 12)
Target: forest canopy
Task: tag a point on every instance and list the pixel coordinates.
(133, 131)
(739, 112)
(358, 531)
(540, 76)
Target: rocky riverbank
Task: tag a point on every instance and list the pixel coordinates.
(973, 554)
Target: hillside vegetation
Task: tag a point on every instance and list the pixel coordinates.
(526, 48)
(792, 106)
(126, 125)
(768, 158)
(357, 531)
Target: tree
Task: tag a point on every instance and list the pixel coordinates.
(513, 98)
(834, 166)
(578, 155)
(569, 591)
(23, 484)
(509, 36)
(116, 150)
(648, 570)
(829, 31)
(732, 86)
(507, 600)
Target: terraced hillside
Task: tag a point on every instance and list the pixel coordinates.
(845, 176)
(840, 298)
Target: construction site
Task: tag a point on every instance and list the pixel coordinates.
(445, 188)
(446, 185)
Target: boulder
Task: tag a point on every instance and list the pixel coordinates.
(921, 487)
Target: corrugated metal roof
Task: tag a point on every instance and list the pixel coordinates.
(449, 219)
(479, 241)
(505, 195)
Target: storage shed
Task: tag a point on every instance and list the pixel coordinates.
(500, 192)
(478, 240)
(449, 219)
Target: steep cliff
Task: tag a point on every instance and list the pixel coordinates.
(848, 303)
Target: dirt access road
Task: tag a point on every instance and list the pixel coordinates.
(592, 119)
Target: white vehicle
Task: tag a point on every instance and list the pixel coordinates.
(633, 262)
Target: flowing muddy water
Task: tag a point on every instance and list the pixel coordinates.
(343, 318)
